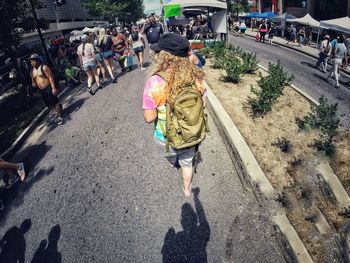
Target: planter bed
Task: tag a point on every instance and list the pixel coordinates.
(293, 174)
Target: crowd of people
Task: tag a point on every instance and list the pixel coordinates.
(170, 55)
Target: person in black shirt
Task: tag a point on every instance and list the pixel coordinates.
(105, 45)
(153, 31)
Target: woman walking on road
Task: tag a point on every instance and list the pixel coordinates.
(339, 53)
(262, 31)
(105, 45)
(87, 59)
(173, 62)
(138, 44)
(325, 51)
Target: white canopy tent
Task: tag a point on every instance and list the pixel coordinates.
(305, 20)
(339, 24)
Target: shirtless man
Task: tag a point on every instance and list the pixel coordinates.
(42, 78)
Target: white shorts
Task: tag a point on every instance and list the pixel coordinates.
(184, 157)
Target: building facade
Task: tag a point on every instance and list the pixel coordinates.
(64, 18)
(318, 9)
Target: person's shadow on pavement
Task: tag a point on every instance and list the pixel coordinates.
(47, 251)
(190, 244)
(13, 244)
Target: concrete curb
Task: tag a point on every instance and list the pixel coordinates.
(289, 233)
(248, 168)
(300, 51)
(333, 182)
(8, 153)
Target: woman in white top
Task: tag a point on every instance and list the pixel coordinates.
(137, 42)
(87, 59)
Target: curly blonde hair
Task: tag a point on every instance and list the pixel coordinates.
(181, 73)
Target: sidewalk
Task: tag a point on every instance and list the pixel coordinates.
(307, 50)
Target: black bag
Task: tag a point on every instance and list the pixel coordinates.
(200, 57)
(135, 36)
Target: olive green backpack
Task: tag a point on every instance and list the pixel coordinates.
(186, 122)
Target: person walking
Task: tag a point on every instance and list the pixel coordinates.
(272, 32)
(172, 72)
(87, 59)
(262, 31)
(120, 46)
(105, 45)
(43, 79)
(9, 177)
(301, 36)
(153, 31)
(324, 54)
(98, 56)
(292, 34)
(242, 27)
(338, 54)
(138, 45)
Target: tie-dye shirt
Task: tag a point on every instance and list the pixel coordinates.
(154, 97)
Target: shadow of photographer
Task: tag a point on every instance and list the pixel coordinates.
(190, 244)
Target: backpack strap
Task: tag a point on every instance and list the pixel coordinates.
(165, 133)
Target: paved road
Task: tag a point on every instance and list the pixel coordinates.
(307, 77)
(98, 190)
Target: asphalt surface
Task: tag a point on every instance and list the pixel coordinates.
(307, 77)
(99, 190)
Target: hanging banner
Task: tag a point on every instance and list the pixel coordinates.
(172, 10)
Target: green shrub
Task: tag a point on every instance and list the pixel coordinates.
(205, 52)
(271, 88)
(326, 118)
(233, 68)
(250, 63)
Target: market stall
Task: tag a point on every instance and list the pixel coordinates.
(339, 24)
(305, 20)
(216, 11)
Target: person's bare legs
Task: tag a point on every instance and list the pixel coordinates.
(90, 74)
(6, 165)
(187, 174)
(101, 69)
(58, 109)
(141, 59)
(109, 67)
(97, 77)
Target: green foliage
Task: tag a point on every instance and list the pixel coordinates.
(242, 6)
(16, 14)
(233, 68)
(205, 52)
(250, 63)
(271, 88)
(124, 10)
(326, 118)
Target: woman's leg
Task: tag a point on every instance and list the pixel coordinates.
(141, 59)
(97, 77)
(109, 68)
(336, 67)
(101, 69)
(89, 81)
(7, 165)
(187, 174)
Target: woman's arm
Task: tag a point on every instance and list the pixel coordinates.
(150, 115)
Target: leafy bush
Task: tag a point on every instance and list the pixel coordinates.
(217, 48)
(233, 68)
(250, 63)
(272, 88)
(326, 118)
(205, 52)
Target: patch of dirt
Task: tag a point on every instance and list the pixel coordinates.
(292, 172)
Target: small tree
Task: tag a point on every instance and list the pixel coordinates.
(124, 10)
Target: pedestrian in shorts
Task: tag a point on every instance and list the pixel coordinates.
(138, 45)
(87, 59)
(173, 59)
(43, 79)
